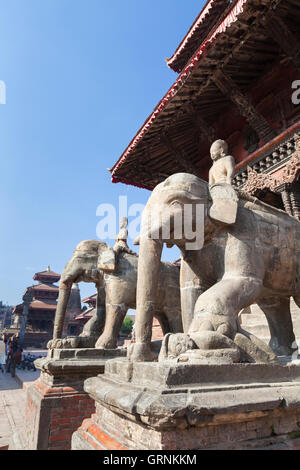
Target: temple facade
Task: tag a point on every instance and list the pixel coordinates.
(5, 315)
(238, 71)
(41, 310)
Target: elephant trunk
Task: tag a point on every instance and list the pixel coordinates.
(147, 285)
(63, 299)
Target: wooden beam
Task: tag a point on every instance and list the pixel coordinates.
(280, 33)
(208, 132)
(178, 155)
(243, 102)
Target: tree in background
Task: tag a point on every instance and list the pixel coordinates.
(127, 326)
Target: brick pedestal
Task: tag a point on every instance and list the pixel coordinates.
(57, 402)
(188, 407)
(54, 411)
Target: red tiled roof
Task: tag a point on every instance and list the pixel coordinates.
(230, 18)
(35, 305)
(90, 299)
(205, 21)
(44, 287)
(86, 315)
(46, 273)
(38, 304)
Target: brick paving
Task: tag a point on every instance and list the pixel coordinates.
(12, 407)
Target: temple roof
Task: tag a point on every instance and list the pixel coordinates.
(183, 122)
(35, 305)
(92, 299)
(205, 21)
(44, 287)
(86, 315)
(48, 274)
(40, 305)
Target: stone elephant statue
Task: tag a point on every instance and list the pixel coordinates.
(116, 293)
(254, 259)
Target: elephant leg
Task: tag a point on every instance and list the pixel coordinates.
(94, 327)
(218, 307)
(190, 291)
(63, 299)
(146, 298)
(115, 315)
(278, 314)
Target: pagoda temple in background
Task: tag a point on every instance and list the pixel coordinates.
(237, 68)
(87, 313)
(42, 308)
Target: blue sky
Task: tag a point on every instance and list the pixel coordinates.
(81, 78)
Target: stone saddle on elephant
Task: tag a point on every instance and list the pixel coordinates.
(254, 259)
(115, 277)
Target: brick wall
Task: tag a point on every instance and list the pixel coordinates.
(106, 430)
(53, 413)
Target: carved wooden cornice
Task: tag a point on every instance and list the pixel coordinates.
(292, 169)
(287, 185)
(258, 182)
(272, 160)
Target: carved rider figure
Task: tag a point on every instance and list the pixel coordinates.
(221, 174)
(121, 240)
(223, 168)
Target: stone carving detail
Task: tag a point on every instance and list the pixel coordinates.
(225, 201)
(223, 168)
(121, 245)
(116, 293)
(258, 266)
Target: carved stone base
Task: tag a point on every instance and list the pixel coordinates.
(160, 406)
(57, 403)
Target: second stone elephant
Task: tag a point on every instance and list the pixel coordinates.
(116, 293)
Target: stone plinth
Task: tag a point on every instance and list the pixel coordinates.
(56, 402)
(164, 406)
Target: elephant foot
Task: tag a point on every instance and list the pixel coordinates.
(141, 352)
(106, 343)
(201, 347)
(212, 347)
(214, 356)
(75, 342)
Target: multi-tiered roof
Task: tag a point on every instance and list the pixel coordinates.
(236, 65)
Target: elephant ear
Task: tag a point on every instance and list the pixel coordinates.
(225, 204)
(106, 259)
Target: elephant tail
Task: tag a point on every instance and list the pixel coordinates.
(63, 299)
